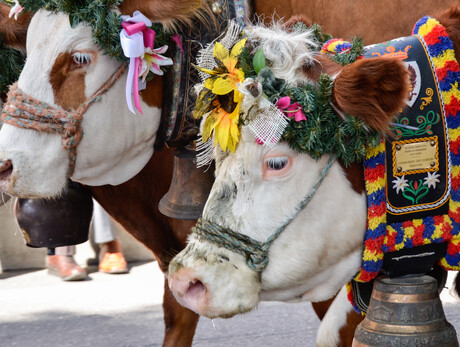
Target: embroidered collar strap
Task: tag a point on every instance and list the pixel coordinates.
(431, 188)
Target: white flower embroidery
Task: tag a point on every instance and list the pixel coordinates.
(431, 179)
(400, 183)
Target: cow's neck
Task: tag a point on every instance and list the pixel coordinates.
(134, 205)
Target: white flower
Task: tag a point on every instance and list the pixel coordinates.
(15, 10)
(152, 60)
(400, 183)
(431, 179)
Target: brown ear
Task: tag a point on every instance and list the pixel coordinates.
(298, 18)
(14, 32)
(165, 11)
(450, 19)
(373, 90)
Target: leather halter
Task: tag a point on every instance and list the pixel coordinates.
(24, 111)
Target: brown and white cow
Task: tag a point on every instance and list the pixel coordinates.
(37, 162)
(258, 188)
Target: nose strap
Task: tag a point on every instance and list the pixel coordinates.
(255, 252)
(23, 111)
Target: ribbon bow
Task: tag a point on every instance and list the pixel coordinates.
(137, 41)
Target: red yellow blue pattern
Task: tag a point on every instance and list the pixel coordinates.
(381, 238)
(335, 46)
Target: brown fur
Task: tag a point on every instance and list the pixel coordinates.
(153, 94)
(373, 90)
(373, 20)
(347, 332)
(167, 12)
(134, 204)
(14, 33)
(68, 84)
(450, 19)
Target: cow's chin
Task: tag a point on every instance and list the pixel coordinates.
(23, 185)
(215, 284)
(37, 164)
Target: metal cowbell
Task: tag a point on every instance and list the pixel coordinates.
(405, 311)
(190, 187)
(56, 222)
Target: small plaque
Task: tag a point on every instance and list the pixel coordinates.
(415, 156)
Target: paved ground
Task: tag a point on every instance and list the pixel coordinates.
(37, 310)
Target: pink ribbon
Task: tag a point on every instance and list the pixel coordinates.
(134, 37)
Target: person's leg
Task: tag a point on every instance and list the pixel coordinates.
(110, 252)
(60, 262)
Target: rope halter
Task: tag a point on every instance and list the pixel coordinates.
(255, 252)
(24, 111)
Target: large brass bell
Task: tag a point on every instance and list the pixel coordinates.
(190, 187)
(405, 311)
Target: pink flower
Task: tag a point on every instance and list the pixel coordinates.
(294, 110)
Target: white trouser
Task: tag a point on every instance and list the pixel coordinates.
(103, 225)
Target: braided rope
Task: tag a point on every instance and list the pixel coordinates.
(23, 111)
(255, 252)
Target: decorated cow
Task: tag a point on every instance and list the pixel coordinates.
(65, 69)
(311, 160)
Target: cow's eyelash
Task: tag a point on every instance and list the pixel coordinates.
(276, 163)
(81, 58)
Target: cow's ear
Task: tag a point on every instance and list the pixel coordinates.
(13, 32)
(373, 90)
(296, 19)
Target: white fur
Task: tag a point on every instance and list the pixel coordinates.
(116, 144)
(287, 52)
(318, 252)
(333, 321)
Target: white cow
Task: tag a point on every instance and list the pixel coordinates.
(111, 156)
(258, 188)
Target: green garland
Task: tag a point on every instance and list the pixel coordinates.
(323, 132)
(106, 24)
(12, 64)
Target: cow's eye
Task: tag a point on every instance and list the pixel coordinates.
(276, 163)
(82, 58)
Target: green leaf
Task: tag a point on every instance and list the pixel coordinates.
(259, 61)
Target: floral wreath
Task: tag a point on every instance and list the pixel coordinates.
(239, 88)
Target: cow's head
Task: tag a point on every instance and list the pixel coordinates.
(259, 188)
(64, 69)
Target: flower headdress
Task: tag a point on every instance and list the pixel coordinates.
(240, 88)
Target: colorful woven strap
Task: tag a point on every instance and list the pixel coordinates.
(24, 111)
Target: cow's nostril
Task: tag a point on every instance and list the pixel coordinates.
(195, 288)
(6, 168)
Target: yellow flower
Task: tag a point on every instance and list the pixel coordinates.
(224, 125)
(221, 122)
(224, 83)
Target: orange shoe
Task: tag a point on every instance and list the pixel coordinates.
(113, 263)
(65, 267)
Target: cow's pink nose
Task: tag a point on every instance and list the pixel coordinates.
(6, 168)
(188, 290)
